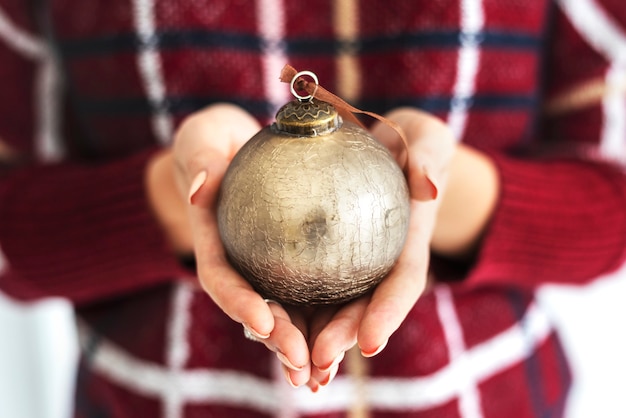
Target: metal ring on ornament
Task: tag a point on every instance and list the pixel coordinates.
(293, 82)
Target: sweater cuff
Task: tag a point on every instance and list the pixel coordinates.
(556, 222)
(83, 232)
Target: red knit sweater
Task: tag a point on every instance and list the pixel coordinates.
(92, 88)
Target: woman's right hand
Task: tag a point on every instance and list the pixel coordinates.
(204, 146)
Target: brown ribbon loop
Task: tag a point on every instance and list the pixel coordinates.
(425, 189)
(346, 110)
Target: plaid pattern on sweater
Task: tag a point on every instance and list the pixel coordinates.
(92, 88)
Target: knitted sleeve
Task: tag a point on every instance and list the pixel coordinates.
(83, 232)
(564, 220)
(557, 221)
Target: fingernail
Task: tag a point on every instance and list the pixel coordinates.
(378, 350)
(335, 362)
(288, 377)
(196, 184)
(283, 359)
(256, 333)
(331, 376)
(313, 385)
(432, 185)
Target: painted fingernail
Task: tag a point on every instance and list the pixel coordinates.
(288, 377)
(335, 362)
(432, 185)
(256, 334)
(315, 387)
(196, 184)
(331, 376)
(373, 353)
(283, 359)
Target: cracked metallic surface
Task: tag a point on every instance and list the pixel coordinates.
(313, 219)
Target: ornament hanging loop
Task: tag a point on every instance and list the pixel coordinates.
(295, 79)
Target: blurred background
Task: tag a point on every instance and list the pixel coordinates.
(38, 351)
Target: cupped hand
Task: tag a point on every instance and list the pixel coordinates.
(370, 320)
(204, 145)
(311, 342)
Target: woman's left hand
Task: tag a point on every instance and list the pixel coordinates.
(370, 320)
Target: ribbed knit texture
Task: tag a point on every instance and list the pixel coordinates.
(557, 222)
(91, 233)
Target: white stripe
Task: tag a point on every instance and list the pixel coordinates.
(449, 321)
(152, 380)
(613, 140)
(271, 24)
(598, 28)
(149, 62)
(48, 143)
(284, 392)
(235, 388)
(19, 40)
(609, 39)
(47, 87)
(481, 362)
(472, 22)
(469, 400)
(177, 345)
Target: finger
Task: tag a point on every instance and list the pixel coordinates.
(206, 142)
(335, 336)
(228, 289)
(290, 346)
(394, 297)
(431, 146)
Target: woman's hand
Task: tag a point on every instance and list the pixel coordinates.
(311, 342)
(370, 320)
(204, 146)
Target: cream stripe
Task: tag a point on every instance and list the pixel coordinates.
(235, 388)
(47, 87)
(356, 367)
(613, 144)
(48, 137)
(587, 94)
(605, 36)
(149, 62)
(20, 40)
(346, 27)
(472, 22)
(271, 24)
(3, 262)
(469, 398)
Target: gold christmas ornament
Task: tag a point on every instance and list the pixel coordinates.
(313, 209)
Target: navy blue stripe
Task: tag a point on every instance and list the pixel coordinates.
(164, 40)
(452, 39)
(532, 366)
(141, 106)
(246, 42)
(565, 376)
(444, 103)
(260, 107)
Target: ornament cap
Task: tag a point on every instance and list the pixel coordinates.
(307, 118)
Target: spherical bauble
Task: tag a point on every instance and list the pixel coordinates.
(313, 210)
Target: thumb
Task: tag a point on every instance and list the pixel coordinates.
(204, 186)
(205, 144)
(422, 186)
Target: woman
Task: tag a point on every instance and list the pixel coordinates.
(97, 207)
